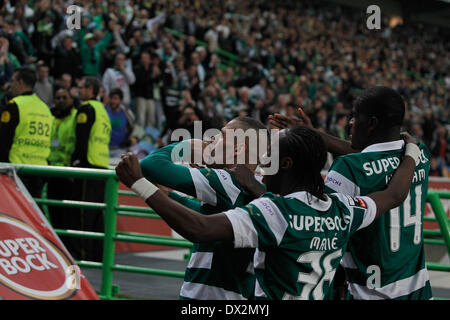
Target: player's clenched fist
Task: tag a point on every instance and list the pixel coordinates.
(128, 170)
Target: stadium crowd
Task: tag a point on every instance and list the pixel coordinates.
(234, 58)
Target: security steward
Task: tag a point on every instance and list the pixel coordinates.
(93, 131)
(25, 128)
(62, 148)
(63, 135)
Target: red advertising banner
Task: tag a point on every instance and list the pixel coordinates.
(34, 264)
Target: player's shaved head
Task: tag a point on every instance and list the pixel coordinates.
(384, 103)
(378, 117)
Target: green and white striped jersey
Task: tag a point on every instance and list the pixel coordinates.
(216, 271)
(387, 259)
(300, 240)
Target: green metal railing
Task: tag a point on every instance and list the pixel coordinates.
(111, 211)
(442, 236)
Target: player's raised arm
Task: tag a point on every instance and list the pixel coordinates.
(334, 144)
(399, 186)
(159, 167)
(188, 223)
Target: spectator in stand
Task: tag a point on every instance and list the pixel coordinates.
(146, 74)
(67, 59)
(46, 22)
(199, 68)
(43, 88)
(64, 82)
(6, 67)
(189, 115)
(91, 48)
(340, 127)
(122, 124)
(440, 148)
(435, 171)
(167, 53)
(121, 76)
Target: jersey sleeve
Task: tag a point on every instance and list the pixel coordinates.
(260, 224)
(341, 178)
(9, 119)
(186, 201)
(84, 121)
(159, 167)
(362, 210)
(211, 186)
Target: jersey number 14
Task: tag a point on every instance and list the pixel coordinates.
(408, 219)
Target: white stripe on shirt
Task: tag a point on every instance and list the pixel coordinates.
(200, 291)
(203, 189)
(245, 235)
(259, 292)
(228, 185)
(201, 260)
(259, 259)
(393, 290)
(370, 213)
(348, 262)
(337, 182)
(274, 218)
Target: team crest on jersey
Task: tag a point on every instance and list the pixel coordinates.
(250, 209)
(357, 202)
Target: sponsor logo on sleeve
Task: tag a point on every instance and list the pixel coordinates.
(357, 202)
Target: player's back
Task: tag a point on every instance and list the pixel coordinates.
(301, 240)
(385, 260)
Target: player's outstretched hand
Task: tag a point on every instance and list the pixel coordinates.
(278, 121)
(128, 170)
(408, 138)
(306, 121)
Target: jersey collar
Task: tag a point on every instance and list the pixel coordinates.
(385, 146)
(316, 203)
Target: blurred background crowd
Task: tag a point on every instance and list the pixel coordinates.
(165, 64)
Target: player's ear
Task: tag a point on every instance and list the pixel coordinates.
(286, 163)
(373, 123)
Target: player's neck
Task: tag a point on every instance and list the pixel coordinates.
(389, 137)
(290, 186)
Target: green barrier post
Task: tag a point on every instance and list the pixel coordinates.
(441, 216)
